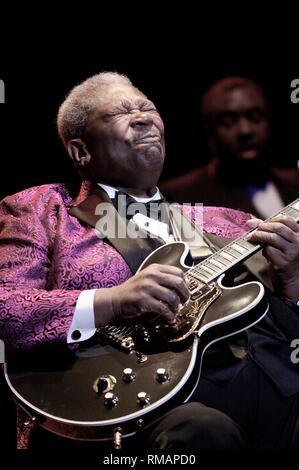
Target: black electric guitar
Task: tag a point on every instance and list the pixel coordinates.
(128, 375)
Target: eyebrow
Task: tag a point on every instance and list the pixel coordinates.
(139, 102)
(252, 109)
(125, 104)
(142, 101)
(128, 105)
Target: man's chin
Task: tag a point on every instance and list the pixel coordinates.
(153, 155)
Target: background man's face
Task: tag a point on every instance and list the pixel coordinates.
(241, 127)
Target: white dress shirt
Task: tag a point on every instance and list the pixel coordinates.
(267, 201)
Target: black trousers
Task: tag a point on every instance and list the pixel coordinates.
(245, 413)
(248, 412)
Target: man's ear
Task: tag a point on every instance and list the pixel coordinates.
(78, 152)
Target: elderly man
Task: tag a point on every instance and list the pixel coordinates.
(60, 280)
(240, 173)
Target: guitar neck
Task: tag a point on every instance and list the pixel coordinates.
(234, 253)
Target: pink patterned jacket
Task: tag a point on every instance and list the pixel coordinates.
(47, 257)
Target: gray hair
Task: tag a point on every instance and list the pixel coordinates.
(80, 102)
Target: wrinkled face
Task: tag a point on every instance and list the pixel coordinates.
(241, 126)
(125, 138)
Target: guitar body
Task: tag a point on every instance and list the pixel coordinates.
(62, 391)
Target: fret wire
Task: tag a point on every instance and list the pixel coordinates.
(246, 244)
(217, 263)
(200, 273)
(234, 253)
(239, 248)
(292, 212)
(197, 276)
(204, 278)
(204, 267)
(227, 256)
(213, 267)
(225, 261)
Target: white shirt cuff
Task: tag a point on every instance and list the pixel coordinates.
(83, 325)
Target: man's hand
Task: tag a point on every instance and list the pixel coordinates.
(280, 239)
(157, 289)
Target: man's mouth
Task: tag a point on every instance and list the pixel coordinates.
(248, 152)
(148, 139)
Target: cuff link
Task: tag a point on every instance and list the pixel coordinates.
(76, 335)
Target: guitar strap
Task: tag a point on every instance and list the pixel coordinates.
(184, 229)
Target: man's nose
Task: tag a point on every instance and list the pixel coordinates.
(245, 127)
(141, 119)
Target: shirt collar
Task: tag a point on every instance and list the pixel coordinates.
(110, 190)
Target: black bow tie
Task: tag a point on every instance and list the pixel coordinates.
(127, 206)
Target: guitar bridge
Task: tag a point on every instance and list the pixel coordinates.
(120, 335)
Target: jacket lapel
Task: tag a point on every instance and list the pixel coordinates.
(134, 250)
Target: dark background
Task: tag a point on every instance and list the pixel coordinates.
(172, 72)
(172, 61)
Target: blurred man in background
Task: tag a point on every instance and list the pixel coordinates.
(240, 173)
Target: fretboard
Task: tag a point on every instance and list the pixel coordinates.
(232, 254)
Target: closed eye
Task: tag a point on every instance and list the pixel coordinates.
(148, 106)
(114, 113)
(125, 107)
(227, 119)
